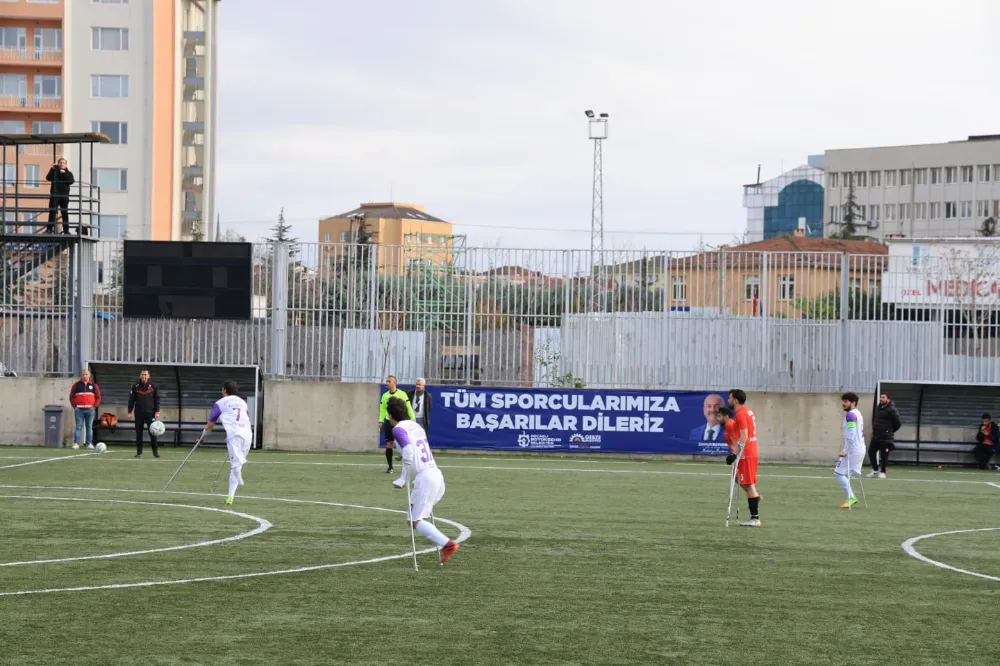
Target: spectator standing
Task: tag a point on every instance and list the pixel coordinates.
(421, 401)
(85, 397)
(61, 178)
(144, 405)
(987, 442)
(885, 423)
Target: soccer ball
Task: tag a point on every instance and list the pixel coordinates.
(101, 447)
(156, 428)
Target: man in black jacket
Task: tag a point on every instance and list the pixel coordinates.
(885, 423)
(61, 178)
(144, 401)
(987, 442)
(420, 400)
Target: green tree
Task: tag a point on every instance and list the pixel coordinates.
(282, 233)
(861, 305)
(197, 234)
(989, 227)
(851, 214)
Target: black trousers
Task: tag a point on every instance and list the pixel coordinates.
(878, 454)
(983, 454)
(142, 421)
(61, 203)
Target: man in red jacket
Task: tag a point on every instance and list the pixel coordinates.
(85, 398)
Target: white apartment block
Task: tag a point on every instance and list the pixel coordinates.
(922, 191)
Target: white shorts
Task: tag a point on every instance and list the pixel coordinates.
(428, 489)
(239, 449)
(857, 461)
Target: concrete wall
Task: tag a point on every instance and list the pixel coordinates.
(302, 415)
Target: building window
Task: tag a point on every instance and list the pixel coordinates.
(920, 176)
(905, 177)
(873, 212)
(935, 211)
(14, 39)
(860, 179)
(111, 180)
(47, 40)
(47, 87)
(996, 171)
(680, 288)
(9, 175)
(919, 211)
(985, 173)
(890, 178)
(832, 180)
(848, 180)
(109, 39)
(834, 214)
(921, 256)
(326, 237)
(890, 212)
(115, 130)
(11, 127)
(113, 226)
(14, 85)
(46, 127)
(966, 210)
(32, 175)
(109, 86)
(751, 287)
(984, 208)
(967, 174)
(950, 175)
(950, 210)
(936, 176)
(110, 2)
(875, 178)
(904, 211)
(786, 288)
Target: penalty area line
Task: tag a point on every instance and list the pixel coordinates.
(45, 460)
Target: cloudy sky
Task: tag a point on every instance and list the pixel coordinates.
(475, 109)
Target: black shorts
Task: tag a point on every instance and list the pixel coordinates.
(387, 431)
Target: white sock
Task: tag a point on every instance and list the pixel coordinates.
(234, 481)
(428, 530)
(845, 483)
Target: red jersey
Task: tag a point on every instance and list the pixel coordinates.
(745, 420)
(731, 434)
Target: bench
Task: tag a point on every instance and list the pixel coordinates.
(940, 453)
(177, 434)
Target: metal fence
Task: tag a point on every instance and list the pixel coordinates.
(761, 320)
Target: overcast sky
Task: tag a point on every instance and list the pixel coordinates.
(475, 109)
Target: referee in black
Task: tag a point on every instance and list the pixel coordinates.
(144, 401)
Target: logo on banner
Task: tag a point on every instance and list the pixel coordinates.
(523, 440)
(526, 440)
(578, 441)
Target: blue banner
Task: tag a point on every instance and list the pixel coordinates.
(575, 420)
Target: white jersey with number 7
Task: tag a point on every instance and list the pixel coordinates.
(231, 412)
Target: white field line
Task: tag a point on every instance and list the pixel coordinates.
(262, 526)
(53, 459)
(464, 533)
(908, 547)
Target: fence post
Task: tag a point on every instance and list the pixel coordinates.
(845, 295)
(85, 305)
(764, 301)
(279, 307)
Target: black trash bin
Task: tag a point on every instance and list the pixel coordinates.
(53, 425)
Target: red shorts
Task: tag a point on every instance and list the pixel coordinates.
(746, 471)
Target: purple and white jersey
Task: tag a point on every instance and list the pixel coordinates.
(412, 442)
(854, 432)
(231, 412)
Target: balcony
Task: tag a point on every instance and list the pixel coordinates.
(31, 56)
(34, 10)
(32, 103)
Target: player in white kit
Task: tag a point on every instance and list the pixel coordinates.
(852, 455)
(428, 482)
(232, 411)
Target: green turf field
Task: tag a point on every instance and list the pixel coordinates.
(569, 561)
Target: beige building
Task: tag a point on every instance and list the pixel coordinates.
(406, 235)
(922, 191)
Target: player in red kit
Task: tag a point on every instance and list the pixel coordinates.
(741, 434)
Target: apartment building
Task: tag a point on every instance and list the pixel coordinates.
(923, 191)
(141, 72)
(409, 235)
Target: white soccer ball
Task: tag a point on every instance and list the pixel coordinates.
(101, 447)
(156, 428)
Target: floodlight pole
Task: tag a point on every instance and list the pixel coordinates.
(598, 133)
